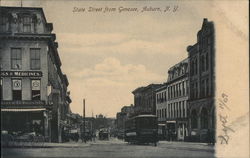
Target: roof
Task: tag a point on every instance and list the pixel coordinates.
(24, 8)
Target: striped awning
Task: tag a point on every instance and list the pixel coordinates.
(22, 110)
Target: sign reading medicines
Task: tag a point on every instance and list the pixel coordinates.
(21, 74)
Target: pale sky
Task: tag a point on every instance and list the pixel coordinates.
(108, 55)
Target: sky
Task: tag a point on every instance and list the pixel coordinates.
(107, 55)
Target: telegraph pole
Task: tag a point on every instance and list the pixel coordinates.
(84, 120)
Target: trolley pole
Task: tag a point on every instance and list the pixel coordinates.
(84, 121)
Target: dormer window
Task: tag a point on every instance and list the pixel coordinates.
(27, 20)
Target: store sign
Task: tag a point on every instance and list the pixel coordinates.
(17, 84)
(21, 74)
(35, 84)
(22, 103)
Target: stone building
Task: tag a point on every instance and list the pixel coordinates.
(176, 112)
(144, 99)
(202, 84)
(34, 96)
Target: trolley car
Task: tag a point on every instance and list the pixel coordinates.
(141, 129)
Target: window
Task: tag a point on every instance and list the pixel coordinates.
(35, 90)
(35, 59)
(194, 123)
(27, 24)
(202, 63)
(183, 88)
(1, 89)
(207, 87)
(204, 119)
(202, 88)
(207, 61)
(3, 24)
(180, 109)
(17, 89)
(184, 109)
(16, 58)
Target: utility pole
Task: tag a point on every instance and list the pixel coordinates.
(84, 120)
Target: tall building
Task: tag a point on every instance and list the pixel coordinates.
(202, 84)
(34, 96)
(144, 99)
(176, 112)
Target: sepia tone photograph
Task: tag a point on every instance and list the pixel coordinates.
(124, 78)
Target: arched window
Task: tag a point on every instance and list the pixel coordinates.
(194, 123)
(204, 118)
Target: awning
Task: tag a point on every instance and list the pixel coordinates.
(22, 110)
(171, 121)
(161, 124)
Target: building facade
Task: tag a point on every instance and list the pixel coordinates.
(144, 99)
(202, 84)
(161, 109)
(177, 95)
(34, 95)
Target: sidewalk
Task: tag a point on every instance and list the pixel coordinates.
(187, 145)
(78, 144)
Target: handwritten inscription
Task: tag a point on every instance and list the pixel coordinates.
(122, 9)
(223, 118)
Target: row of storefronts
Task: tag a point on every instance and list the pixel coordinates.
(185, 103)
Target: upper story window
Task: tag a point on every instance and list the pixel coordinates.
(27, 21)
(35, 62)
(16, 58)
(3, 24)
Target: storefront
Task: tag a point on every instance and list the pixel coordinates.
(162, 131)
(182, 131)
(19, 121)
(171, 130)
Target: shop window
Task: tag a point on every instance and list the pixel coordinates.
(27, 24)
(35, 62)
(35, 90)
(17, 89)
(16, 58)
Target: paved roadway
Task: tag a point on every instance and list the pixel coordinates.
(116, 148)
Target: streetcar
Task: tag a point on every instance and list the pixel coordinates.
(141, 129)
(103, 135)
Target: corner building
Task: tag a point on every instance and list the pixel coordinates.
(202, 85)
(34, 95)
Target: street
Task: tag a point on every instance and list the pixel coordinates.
(116, 148)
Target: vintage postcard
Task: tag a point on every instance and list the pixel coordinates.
(124, 78)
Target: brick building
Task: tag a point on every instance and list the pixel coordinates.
(34, 96)
(202, 84)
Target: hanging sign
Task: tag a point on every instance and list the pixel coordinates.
(17, 84)
(35, 84)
